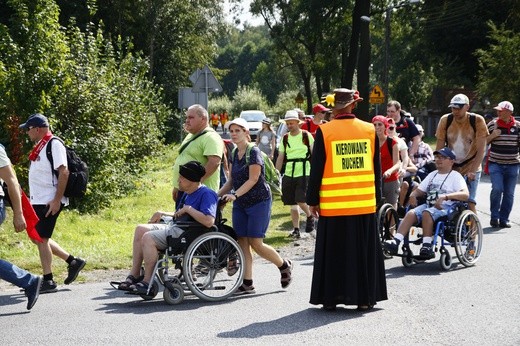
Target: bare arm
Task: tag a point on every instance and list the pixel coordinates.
(254, 174)
(7, 174)
(211, 166)
(415, 145)
(279, 161)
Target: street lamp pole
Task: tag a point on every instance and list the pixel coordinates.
(387, 53)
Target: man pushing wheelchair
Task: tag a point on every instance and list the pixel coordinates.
(441, 189)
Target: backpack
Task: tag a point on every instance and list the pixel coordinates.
(78, 171)
(305, 140)
(271, 174)
(472, 121)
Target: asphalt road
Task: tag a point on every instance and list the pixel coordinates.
(426, 305)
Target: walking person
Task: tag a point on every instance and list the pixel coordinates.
(266, 139)
(503, 163)
(311, 125)
(46, 195)
(9, 272)
(465, 133)
(251, 198)
(202, 144)
(295, 149)
(390, 163)
(344, 188)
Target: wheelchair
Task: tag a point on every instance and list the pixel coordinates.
(460, 229)
(206, 262)
(387, 222)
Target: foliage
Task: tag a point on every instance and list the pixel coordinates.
(105, 238)
(499, 72)
(247, 98)
(98, 97)
(220, 104)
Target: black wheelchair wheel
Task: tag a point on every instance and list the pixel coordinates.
(387, 222)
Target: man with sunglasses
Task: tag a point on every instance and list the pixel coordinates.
(47, 198)
(465, 133)
(405, 127)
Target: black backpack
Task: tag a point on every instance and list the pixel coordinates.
(78, 171)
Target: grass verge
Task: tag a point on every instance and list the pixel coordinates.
(105, 239)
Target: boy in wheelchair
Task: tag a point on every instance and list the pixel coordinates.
(440, 188)
(199, 204)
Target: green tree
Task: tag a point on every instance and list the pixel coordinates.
(499, 72)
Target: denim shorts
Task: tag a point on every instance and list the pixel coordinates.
(434, 212)
(472, 187)
(252, 222)
(2, 210)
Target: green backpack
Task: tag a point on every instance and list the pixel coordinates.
(272, 176)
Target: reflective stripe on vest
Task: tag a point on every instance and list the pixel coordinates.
(348, 186)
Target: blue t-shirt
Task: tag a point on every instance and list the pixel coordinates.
(203, 199)
(240, 173)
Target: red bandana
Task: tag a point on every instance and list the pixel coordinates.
(39, 146)
(502, 124)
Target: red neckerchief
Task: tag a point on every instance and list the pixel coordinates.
(39, 146)
(504, 125)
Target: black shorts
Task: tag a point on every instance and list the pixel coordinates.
(294, 190)
(45, 226)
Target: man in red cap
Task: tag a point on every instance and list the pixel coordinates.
(311, 125)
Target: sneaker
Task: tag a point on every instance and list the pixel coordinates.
(309, 227)
(244, 289)
(74, 268)
(33, 292)
(392, 246)
(493, 223)
(470, 251)
(295, 234)
(426, 251)
(48, 286)
(286, 274)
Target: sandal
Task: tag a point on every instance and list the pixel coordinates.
(128, 283)
(364, 308)
(245, 289)
(232, 266)
(140, 288)
(286, 274)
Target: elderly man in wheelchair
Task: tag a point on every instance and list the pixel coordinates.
(199, 204)
(441, 189)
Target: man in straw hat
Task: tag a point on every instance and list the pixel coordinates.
(344, 188)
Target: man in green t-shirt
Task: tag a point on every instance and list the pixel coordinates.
(295, 149)
(202, 144)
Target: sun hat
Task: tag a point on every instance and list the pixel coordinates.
(238, 121)
(291, 115)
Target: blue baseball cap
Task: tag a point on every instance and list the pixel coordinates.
(446, 152)
(35, 120)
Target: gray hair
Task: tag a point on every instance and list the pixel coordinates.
(200, 111)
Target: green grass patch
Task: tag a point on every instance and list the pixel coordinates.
(105, 239)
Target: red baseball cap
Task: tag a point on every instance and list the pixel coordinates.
(319, 108)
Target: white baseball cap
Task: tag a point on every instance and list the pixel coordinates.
(238, 121)
(458, 100)
(505, 105)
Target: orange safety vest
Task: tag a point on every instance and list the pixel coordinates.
(214, 119)
(348, 186)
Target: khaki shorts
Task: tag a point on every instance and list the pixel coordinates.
(160, 231)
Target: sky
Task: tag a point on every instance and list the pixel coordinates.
(245, 16)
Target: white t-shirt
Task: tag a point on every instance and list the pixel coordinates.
(42, 180)
(4, 161)
(443, 184)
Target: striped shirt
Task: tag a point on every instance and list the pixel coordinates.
(505, 148)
